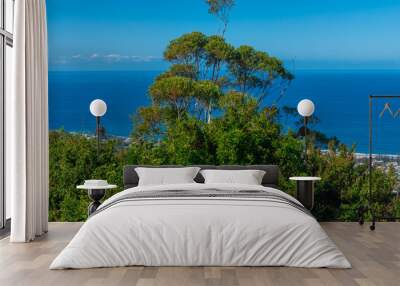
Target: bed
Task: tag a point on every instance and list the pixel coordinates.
(201, 224)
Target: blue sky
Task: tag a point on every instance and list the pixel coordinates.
(132, 34)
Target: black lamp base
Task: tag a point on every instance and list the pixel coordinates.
(95, 195)
(305, 193)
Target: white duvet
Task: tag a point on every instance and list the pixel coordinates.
(200, 231)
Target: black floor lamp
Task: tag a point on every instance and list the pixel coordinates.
(98, 108)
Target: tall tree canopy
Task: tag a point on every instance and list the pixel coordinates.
(203, 70)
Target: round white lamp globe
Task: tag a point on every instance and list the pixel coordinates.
(305, 107)
(98, 107)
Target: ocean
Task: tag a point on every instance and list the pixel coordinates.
(340, 97)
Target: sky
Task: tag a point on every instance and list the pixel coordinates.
(306, 34)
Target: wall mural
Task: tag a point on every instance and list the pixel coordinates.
(218, 82)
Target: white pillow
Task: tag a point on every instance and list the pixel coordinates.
(166, 176)
(248, 177)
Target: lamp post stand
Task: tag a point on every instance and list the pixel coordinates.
(98, 108)
(305, 138)
(98, 135)
(306, 109)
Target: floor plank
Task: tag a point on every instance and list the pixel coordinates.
(375, 257)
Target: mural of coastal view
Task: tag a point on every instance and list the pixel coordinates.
(206, 63)
(338, 51)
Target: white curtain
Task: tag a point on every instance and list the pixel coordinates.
(27, 124)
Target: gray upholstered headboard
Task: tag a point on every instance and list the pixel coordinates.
(270, 179)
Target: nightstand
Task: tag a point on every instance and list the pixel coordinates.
(95, 193)
(305, 190)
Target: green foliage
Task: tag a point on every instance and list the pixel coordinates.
(183, 70)
(208, 95)
(72, 160)
(149, 123)
(337, 170)
(242, 135)
(173, 93)
(255, 71)
(203, 69)
(207, 109)
(218, 52)
(188, 142)
(187, 49)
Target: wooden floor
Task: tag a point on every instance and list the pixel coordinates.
(375, 257)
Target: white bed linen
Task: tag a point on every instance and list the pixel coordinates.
(206, 231)
(165, 176)
(249, 177)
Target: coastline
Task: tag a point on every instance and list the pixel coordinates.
(125, 140)
(128, 140)
(377, 156)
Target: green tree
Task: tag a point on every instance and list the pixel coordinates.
(173, 93)
(187, 50)
(218, 52)
(255, 71)
(203, 69)
(72, 160)
(207, 94)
